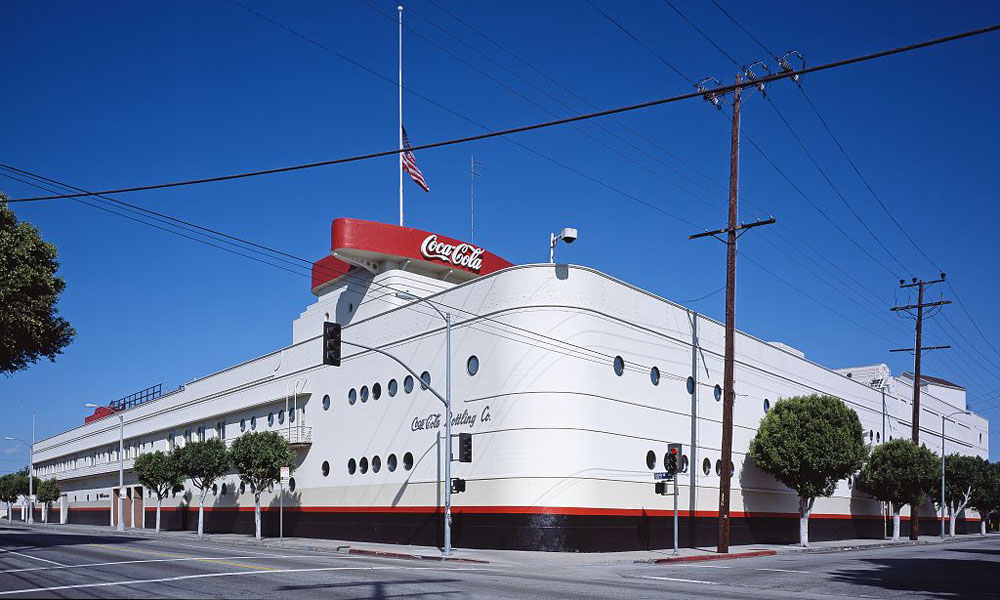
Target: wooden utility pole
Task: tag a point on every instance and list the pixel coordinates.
(728, 394)
(917, 350)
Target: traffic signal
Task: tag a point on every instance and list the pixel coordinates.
(672, 459)
(331, 344)
(465, 447)
(457, 486)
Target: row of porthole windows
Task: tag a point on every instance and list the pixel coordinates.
(706, 464)
(270, 420)
(362, 464)
(353, 395)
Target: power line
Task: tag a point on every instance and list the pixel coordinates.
(717, 91)
(743, 29)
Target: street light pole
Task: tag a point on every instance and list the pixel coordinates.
(31, 460)
(121, 467)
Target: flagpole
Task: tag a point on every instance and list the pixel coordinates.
(400, 166)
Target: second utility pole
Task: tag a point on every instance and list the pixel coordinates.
(728, 393)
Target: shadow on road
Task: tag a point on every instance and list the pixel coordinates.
(13, 538)
(379, 589)
(928, 577)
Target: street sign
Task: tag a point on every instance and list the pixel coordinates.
(663, 476)
(285, 475)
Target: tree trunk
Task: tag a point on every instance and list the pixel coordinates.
(256, 513)
(10, 513)
(201, 512)
(805, 508)
(951, 521)
(159, 502)
(895, 523)
(982, 527)
(45, 512)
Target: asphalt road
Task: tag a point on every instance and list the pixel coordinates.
(51, 564)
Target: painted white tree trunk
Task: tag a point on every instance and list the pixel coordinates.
(956, 511)
(10, 513)
(159, 503)
(201, 511)
(895, 523)
(805, 508)
(45, 512)
(982, 527)
(256, 513)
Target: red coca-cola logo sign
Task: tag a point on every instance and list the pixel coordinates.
(461, 255)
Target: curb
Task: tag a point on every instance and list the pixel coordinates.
(704, 557)
(274, 544)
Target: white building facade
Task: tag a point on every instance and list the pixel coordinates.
(566, 435)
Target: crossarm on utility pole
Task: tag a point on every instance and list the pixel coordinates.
(402, 364)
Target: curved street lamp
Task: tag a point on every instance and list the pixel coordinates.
(31, 468)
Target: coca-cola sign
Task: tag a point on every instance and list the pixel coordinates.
(462, 255)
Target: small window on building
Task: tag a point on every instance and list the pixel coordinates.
(225, 489)
(270, 419)
(472, 365)
(363, 465)
(651, 460)
(215, 489)
(291, 484)
(619, 364)
(718, 467)
(376, 464)
(291, 414)
(393, 387)
(220, 430)
(408, 384)
(376, 390)
(352, 466)
(767, 405)
(253, 423)
(391, 462)
(706, 466)
(326, 402)
(326, 468)
(871, 435)
(684, 464)
(878, 437)
(243, 488)
(654, 375)
(425, 380)
(243, 427)
(690, 384)
(407, 461)
(718, 392)
(352, 396)
(364, 393)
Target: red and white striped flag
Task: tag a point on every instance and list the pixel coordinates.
(409, 163)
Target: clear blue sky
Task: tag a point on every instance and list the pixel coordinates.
(113, 94)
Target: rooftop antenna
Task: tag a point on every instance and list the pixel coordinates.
(473, 173)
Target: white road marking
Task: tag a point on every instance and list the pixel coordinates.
(79, 586)
(677, 579)
(155, 560)
(782, 570)
(709, 566)
(51, 562)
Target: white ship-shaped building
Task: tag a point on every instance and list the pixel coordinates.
(565, 441)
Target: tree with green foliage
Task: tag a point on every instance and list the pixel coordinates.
(9, 493)
(47, 492)
(809, 443)
(900, 472)
(30, 325)
(258, 458)
(985, 498)
(203, 463)
(160, 472)
(962, 477)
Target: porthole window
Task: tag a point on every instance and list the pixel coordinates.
(393, 387)
(326, 402)
(732, 468)
(215, 489)
(352, 466)
(352, 396)
(619, 365)
(878, 437)
(281, 416)
(243, 425)
(376, 464)
(270, 419)
(871, 435)
(706, 466)
(325, 468)
(718, 467)
(391, 462)
(243, 488)
(225, 489)
(253, 422)
(408, 384)
(718, 392)
(291, 414)
(350, 307)
(363, 465)
(684, 464)
(407, 461)
(690, 385)
(472, 365)
(364, 393)
(767, 405)
(651, 460)
(376, 391)
(425, 380)
(654, 375)
(291, 484)
(980, 438)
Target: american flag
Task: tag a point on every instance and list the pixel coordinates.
(410, 164)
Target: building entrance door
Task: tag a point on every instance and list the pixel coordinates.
(138, 510)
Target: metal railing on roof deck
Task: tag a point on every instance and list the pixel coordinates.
(151, 393)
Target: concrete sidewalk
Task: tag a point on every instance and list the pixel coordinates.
(508, 557)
